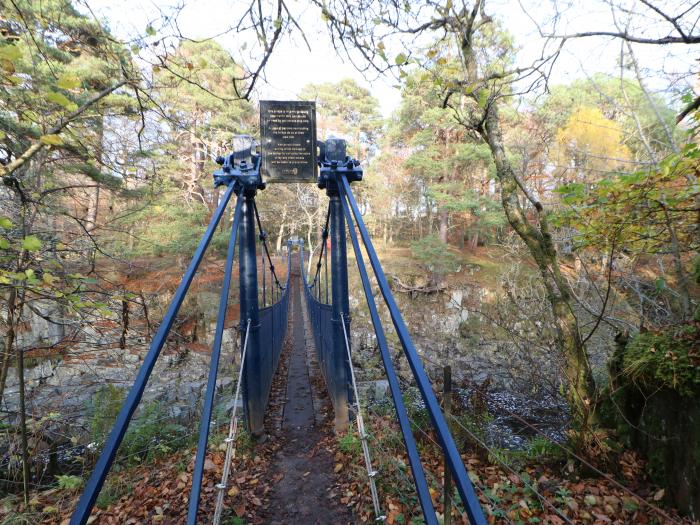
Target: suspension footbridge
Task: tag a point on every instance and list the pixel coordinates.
(264, 320)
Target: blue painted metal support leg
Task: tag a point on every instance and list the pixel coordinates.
(455, 463)
(213, 371)
(253, 382)
(109, 452)
(340, 312)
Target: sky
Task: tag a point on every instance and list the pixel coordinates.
(294, 65)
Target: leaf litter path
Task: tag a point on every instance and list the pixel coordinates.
(302, 470)
(296, 476)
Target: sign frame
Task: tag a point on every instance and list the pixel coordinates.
(288, 141)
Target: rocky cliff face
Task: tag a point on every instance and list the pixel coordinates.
(449, 328)
(67, 363)
(653, 403)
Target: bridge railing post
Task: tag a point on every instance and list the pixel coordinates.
(334, 166)
(340, 311)
(253, 384)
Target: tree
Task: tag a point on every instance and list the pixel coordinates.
(650, 212)
(475, 92)
(346, 108)
(589, 144)
(198, 97)
(61, 74)
(436, 257)
(453, 168)
(57, 81)
(642, 119)
(478, 91)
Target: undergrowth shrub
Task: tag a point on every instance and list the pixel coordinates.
(68, 482)
(151, 433)
(668, 358)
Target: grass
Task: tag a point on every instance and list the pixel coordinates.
(112, 491)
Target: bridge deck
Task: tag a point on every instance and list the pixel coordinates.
(303, 466)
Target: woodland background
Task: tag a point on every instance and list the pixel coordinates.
(559, 220)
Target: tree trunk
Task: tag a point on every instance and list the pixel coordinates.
(94, 193)
(474, 242)
(194, 187)
(683, 280)
(280, 234)
(9, 340)
(15, 305)
(93, 208)
(444, 219)
(26, 475)
(580, 390)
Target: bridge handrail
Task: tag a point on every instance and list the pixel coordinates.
(317, 311)
(276, 333)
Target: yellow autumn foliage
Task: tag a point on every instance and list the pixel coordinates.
(590, 144)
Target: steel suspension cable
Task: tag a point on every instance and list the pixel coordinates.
(264, 273)
(198, 470)
(324, 237)
(104, 463)
(371, 473)
(325, 269)
(263, 238)
(459, 472)
(231, 438)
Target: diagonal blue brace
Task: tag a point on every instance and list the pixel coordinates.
(453, 459)
(422, 489)
(213, 371)
(109, 452)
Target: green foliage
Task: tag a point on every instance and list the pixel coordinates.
(436, 256)
(449, 163)
(668, 358)
(21, 517)
(42, 273)
(150, 433)
(542, 448)
(348, 109)
(31, 243)
(104, 409)
(114, 488)
(78, 59)
(166, 227)
(197, 90)
(68, 482)
(350, 444)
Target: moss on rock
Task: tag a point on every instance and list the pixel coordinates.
(653, 402)
(665, 359)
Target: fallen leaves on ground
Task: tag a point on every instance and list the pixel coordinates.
(534, 493)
